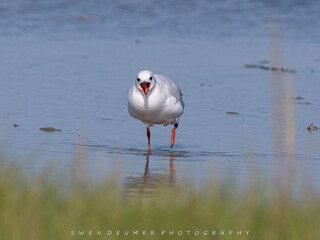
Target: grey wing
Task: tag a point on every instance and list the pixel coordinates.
(168, 83)
(177, 93)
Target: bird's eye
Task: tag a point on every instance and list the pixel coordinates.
(138, 79)
(150, 78)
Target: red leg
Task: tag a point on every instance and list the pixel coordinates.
(148, 135)
(173, 135)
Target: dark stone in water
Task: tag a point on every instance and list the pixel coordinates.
(234, 113)
(312, 127)
(84, 18)
(297, 98)
(50, 129)
(272, 68)
(305, 103)
(251, 66)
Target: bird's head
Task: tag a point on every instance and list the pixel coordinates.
(145, 81)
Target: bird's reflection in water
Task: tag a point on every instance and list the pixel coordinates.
(150, 181)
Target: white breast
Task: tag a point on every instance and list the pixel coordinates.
(163, 105)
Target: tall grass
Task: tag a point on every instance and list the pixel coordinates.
(43, 207)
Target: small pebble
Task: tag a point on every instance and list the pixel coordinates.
(312, 127)
(297, 98)
(232, 113)
(50, 129)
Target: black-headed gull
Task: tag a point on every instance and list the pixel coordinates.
(155, 99)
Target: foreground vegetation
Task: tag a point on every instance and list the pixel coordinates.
(47, 208)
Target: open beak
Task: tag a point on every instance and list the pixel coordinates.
(145, 86)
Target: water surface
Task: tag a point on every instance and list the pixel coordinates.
(69, 65)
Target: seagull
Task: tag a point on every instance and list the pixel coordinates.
(155, 99)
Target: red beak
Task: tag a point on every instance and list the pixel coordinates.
(145, 86)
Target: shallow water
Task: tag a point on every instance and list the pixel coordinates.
(69, 65)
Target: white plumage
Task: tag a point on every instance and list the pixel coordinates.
(155, 99)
